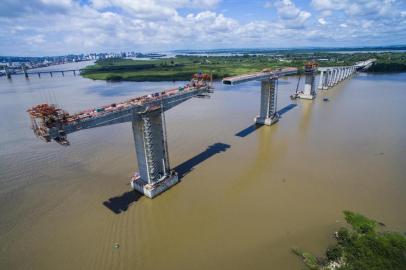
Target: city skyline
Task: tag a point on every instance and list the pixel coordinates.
(50, 27)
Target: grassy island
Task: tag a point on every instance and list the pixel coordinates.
(182, 67)
(363, 246)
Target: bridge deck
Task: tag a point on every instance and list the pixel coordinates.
(48, 121)
(259, 76)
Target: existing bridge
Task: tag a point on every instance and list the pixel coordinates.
(330, 76)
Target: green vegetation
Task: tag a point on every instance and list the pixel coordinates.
(183, 67)
(362, 247)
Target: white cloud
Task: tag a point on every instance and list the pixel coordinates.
(34, 40)
(322, 21)
(290, 15)
(370, 8)
(60, 27)
(153, 8)
(329, 4)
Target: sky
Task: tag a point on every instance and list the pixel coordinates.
(59, 27)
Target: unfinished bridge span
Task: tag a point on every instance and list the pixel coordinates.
(147, 116)
(268, 113)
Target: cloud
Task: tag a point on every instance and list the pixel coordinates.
(329, 4)
(322, 21)
(153, 8)
(13, 8)
(290, 15)
(365, 8)
(62, 26)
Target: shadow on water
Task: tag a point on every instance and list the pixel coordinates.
(187, 166)
(120, 204)
(286, 109)
(247, 131)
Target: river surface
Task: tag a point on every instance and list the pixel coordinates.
(247, 195)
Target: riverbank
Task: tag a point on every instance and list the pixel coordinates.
(363, 246)
(183, 67)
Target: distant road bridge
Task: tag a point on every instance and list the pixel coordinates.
(27, 73)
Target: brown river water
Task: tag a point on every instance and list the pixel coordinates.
(247, 195)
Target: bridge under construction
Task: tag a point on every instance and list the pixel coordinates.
(269, 96)
(147, 115)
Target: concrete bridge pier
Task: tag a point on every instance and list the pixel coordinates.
(325, 80)
(340, 76)
(151, 148)
(335, 81)
(321, 80)
(25, 72)
(309, 91)
(331, 81)
(267, 113)
(8, 73)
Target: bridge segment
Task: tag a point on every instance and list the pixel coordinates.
(330, 76)
(147, 116)
(268, 114)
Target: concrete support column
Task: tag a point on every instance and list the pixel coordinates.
(309, 91)
(25, 71)
(328, 78)
(336, 76)
(325, 80)
(330, 83)
(321, 78)
(8, 73)
(267, 111)
(152, 156)
(341, 74)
